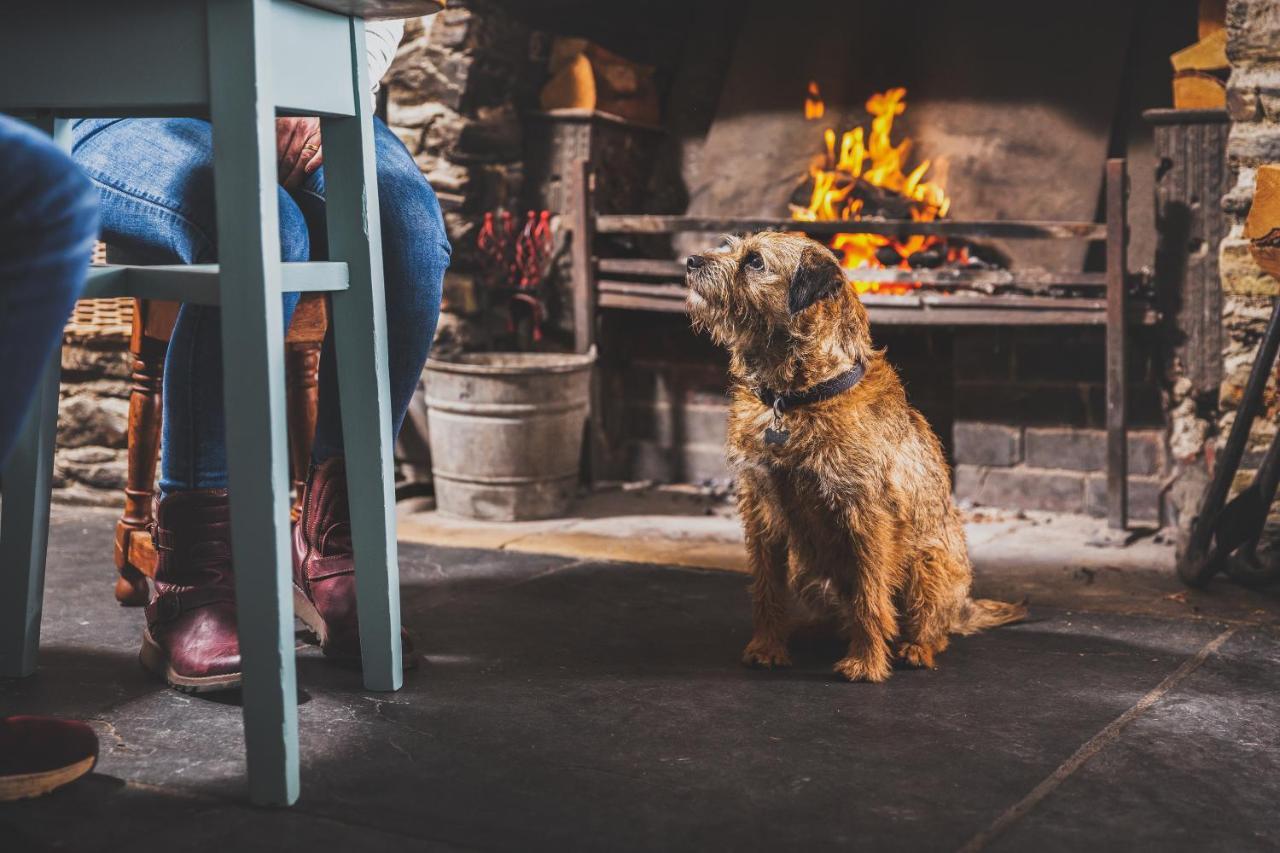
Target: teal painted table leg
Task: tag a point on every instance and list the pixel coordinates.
(243, 117)
(360, 335)
(24, 528)
(27, 482)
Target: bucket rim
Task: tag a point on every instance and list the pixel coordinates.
(538, 363)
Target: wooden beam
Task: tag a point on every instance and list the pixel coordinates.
(638, 302)
(1117, 329)
(991, 229)
(974, 279)
(244, 177)
(643, 267)
(911, 309)
(585, 310)
(582, 223)
(988, 280)
(661, 291)
(198, 283)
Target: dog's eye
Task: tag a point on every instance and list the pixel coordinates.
(753, 261)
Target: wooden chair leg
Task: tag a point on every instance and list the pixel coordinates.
(302, 378)
(360, 338)
(24, 528)
(144, 442)
(243, 117)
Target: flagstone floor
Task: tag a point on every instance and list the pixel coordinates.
(568, 701)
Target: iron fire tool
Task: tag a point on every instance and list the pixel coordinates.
(1224, 535)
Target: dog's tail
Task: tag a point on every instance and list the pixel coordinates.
(978, 614)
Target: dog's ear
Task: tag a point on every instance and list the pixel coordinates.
(817, 277)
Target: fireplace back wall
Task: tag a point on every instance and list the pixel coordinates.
(1020, 104)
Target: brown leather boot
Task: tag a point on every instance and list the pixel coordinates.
(190, 639)
(324, 578)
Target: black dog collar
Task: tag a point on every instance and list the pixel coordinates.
(782, 403)
(832, 387)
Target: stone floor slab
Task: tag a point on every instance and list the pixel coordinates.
(574, 704)
(1199, 770)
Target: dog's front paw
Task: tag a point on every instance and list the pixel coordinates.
(766, 654)
(916, 655)
(860, 669)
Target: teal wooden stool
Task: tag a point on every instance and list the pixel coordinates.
(239, 63)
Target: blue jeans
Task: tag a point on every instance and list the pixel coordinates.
(155, 181)
(48, 222)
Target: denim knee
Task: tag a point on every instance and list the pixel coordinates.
(70, 199)
(77, 229)
(52, 206)
(295, 240)
(411, 215)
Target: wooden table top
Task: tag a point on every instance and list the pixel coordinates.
(374, 9)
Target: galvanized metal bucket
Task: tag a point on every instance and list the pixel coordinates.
(506, 432)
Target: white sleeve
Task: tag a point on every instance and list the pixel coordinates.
(381, 40)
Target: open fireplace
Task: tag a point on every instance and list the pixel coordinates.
(1037, 257)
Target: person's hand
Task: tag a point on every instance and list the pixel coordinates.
(297, 149)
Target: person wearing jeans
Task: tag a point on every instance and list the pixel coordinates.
(155, 183)
(48, 224)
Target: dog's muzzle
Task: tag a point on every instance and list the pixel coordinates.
(694, 265)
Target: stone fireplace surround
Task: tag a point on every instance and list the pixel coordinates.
(1020, 412)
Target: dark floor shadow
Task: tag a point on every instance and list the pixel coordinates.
(78, 682)
(236, 697)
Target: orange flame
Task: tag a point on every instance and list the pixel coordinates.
(813, 105)
(870, 159)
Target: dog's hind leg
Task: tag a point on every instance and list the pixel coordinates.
(930, 598)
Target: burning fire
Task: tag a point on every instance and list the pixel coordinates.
(813, 105)
(864, 176)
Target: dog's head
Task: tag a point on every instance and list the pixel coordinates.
(770, 295)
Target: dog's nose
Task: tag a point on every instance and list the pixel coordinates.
(695, 262)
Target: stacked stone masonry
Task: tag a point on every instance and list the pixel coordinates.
(1253, 102)
(93, 422)
(1060, 469)
(451, 97)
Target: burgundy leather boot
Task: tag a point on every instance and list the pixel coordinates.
(324, 578)
(190, 639)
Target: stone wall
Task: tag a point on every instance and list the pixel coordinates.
(1253, 101)
(1020, 412)
(93, 422)
(1030, 413)
(453, 97)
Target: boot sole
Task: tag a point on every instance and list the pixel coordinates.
(310, 616)
(306, 611)
(28, 785)
(155, 661)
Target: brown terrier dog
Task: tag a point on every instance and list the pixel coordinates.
(843, 490)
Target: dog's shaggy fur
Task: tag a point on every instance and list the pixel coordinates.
(852, 515)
